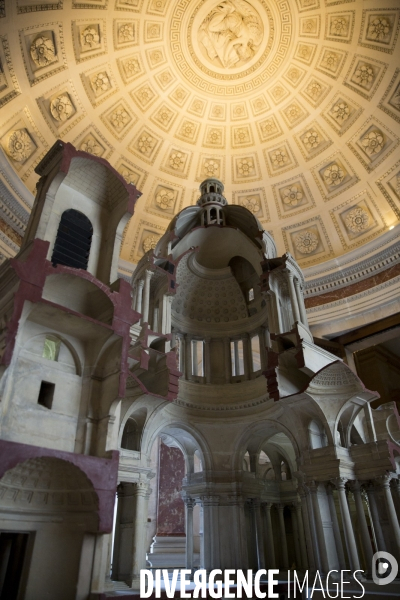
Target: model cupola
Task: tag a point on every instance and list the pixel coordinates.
(212, 201)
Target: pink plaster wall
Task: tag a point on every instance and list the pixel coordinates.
(171, 509)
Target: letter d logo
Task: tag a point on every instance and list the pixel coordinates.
(384, 568)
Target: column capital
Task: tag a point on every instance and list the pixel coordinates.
(354, 485)
(339, 483)
(189, 502)
(302, 490)
(384, 480)
(148, 273)
(396, 483)
(312, 485)
(140, 283)
(140, 488)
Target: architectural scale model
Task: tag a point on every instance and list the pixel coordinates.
(199, 290)
(207, 359)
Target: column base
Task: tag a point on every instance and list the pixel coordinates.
(169, 552)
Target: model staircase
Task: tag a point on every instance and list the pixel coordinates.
(116, 586)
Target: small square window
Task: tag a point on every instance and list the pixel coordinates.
(46, 394)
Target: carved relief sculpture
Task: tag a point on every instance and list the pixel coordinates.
(19, 145)
(42, 51)
(231, 33)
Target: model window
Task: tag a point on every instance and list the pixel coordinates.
(51, 348)
(251, 294)
(46, 394)
(131, 436)
(74, 237)
(198, 358)
(237, 358)
(255, 352)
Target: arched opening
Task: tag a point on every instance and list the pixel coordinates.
(247, 278)
(340, 437)
(132, 432)
(174, 455)
(73, 241)
(131, 436)
(265, 466)
(317, 435)
(58, 520)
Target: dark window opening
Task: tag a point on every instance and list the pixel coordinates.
(46, 394)
(74, 237)
(212, 188)
(12, 555)
(131, 436)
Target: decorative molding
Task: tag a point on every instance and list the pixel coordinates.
(355, 266)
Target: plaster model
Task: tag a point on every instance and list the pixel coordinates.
(200, 382)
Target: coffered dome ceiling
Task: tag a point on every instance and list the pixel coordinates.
(293, 104)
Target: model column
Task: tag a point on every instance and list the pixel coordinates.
(300, 527)
(296, 537)
(396, 496)
(227, 360)
(210, 532)
(189, 505)
(259, 534)
(146, 295)
(366, 540)
(305, 511)
(391, 511)
(168, 307)
(318, 526)
(293, 298)
(335, 526)
(269, 536)
(141, 492)
(376, 522)
(300, 302)
(282, 531)
(340, 483)
(207, 359)
(139, 295)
